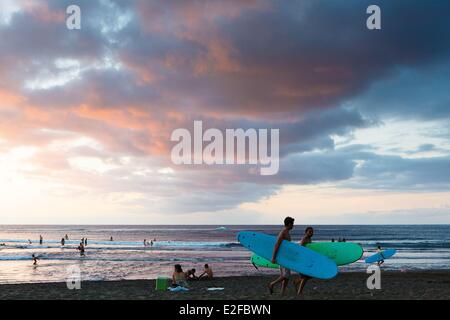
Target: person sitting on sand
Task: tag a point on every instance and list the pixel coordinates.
(81, 249)
(301, 282)
(380, 251)
(285, 273)
(178, 277)
(190, 275)
(35, 260)
(207, 273)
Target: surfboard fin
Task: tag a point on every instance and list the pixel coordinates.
(255, 266)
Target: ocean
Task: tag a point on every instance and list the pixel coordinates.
(423, 247)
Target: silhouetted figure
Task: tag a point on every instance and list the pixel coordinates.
(285, 273)
(380, 251)
(207, 273)
(301, 281)
(190, 275)
(81, 249)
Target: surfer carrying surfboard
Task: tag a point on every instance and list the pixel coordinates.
(285, 273)
(301, 281)
(380, 251)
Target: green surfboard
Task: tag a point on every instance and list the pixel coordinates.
(261, 262)
(341, 253)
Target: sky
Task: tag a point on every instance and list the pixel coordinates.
(86, 115)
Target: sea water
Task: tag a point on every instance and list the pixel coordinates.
(418, 247)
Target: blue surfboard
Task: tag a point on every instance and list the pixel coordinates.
(385, 254)
(290, 255)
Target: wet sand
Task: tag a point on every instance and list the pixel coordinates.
(394, 285)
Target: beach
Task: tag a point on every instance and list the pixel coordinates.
(395, 285)
(419, 248)
(123, 268)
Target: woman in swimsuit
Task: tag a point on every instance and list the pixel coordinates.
(179, 277)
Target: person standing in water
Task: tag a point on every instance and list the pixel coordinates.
(41, 239)
(85, 242)
(66, 237)
(35, 260)
(301, 282)
(285, 273)
(111, 239)
(63, 242)
(81, 249)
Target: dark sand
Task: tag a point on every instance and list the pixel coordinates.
(394, 285)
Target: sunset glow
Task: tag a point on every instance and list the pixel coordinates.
(86, 115)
